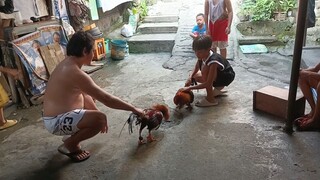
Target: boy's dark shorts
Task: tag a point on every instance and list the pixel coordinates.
(224, 79)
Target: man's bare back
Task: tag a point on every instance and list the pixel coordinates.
(63, 93)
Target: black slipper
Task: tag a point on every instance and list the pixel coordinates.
(74, 156)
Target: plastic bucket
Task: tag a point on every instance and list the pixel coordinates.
(118, 49)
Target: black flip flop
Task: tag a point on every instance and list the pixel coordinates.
(74, 155)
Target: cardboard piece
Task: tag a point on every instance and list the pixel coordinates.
(52, 55)
(274, 100)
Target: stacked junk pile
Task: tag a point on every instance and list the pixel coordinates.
(119, 48)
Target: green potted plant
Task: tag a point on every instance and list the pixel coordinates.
(246, 10)
(263, 9)
(282, 7)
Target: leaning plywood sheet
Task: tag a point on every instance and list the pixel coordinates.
(51, 56)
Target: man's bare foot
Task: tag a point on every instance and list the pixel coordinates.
(309, 124)
(301, 119)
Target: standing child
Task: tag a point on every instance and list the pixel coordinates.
(218, 18)
(200, 28)
(211, 70)
(4, 98)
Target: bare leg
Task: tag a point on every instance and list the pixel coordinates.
(313, 122)
(223, 53)
(91, 124)
(88, 104)
(198, 77)
(2, 119)
(305, 84)
(210, 94)
(307, 81)
(217, 91)
(214, 49)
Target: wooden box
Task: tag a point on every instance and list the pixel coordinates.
(274, 100)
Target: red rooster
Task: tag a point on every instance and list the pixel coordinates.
(183, 98)
(152, 118)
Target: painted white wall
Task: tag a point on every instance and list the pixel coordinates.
(27, 8)
(108, 5)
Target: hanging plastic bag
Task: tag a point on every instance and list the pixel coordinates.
(127, 30)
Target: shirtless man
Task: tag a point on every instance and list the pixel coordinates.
(69, 107)
(309, 81)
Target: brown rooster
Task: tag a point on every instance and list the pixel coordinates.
(183, 98)
(152, 118)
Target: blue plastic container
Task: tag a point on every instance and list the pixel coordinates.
(118, 49)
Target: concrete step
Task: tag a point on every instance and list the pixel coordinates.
(256, 39)
(147, 43)
(158, 28)
(161, 19)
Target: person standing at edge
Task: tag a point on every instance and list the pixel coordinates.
(218, 20)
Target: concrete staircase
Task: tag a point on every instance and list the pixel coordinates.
(157, 32)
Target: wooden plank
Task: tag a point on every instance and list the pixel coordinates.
(52, 56)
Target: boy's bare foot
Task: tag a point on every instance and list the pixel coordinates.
(217, 92)
(205, 103)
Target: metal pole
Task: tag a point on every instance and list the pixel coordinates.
(302, 14)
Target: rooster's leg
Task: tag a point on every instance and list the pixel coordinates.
(141, 141)
(189, 107)
(150, 137)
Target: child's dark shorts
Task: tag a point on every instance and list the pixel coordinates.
(224, 79)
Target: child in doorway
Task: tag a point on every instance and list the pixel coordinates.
(200, 28)
(211, 70)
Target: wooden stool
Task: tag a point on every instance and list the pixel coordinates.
(274, 100)
(100, 49)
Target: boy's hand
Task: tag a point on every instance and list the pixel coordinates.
(184, 89)
(188, 82)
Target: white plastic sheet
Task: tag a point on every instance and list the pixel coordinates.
(107, 5)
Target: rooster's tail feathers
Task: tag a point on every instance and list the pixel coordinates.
(163, 109)
(133, 117)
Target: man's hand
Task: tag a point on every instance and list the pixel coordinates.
(138, 111)
(188, 82)
(185, 89)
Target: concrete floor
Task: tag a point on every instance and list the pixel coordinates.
(229, 141)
